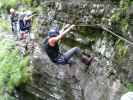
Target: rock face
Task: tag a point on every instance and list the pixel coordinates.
(74, 12)
(103, 80)
(77, 82)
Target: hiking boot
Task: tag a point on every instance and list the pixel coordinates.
(87, 60)
(83, 53)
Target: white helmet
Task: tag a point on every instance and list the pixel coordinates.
(12, 10)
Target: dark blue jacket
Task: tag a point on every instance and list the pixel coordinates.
(25, 25)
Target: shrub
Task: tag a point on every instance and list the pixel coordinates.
(13, 69)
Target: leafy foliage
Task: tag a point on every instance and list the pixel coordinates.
(121, 50)
(13, 70)
(120, 15)
(7, 3)
(26, 1)
(6, 97)
(5, 25)
(120, 24)
(130, 86)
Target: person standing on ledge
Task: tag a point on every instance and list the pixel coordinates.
(25, 23)
(51, 47)
(14, 16)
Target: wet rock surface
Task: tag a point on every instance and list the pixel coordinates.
(78, 82)
(104, 79)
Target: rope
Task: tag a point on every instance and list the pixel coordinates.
(87, 25)
(107, 30)
(120, 37)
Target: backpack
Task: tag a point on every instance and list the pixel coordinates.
(25, 26)
(14, 18)
(21, 25)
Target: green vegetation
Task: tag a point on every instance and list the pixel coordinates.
(121, 26)
(7, 3)
(13, 70)
(130, 86)
(5, 25)
(121, 50)
(26, 1)
(12, 3)
(120, 17)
